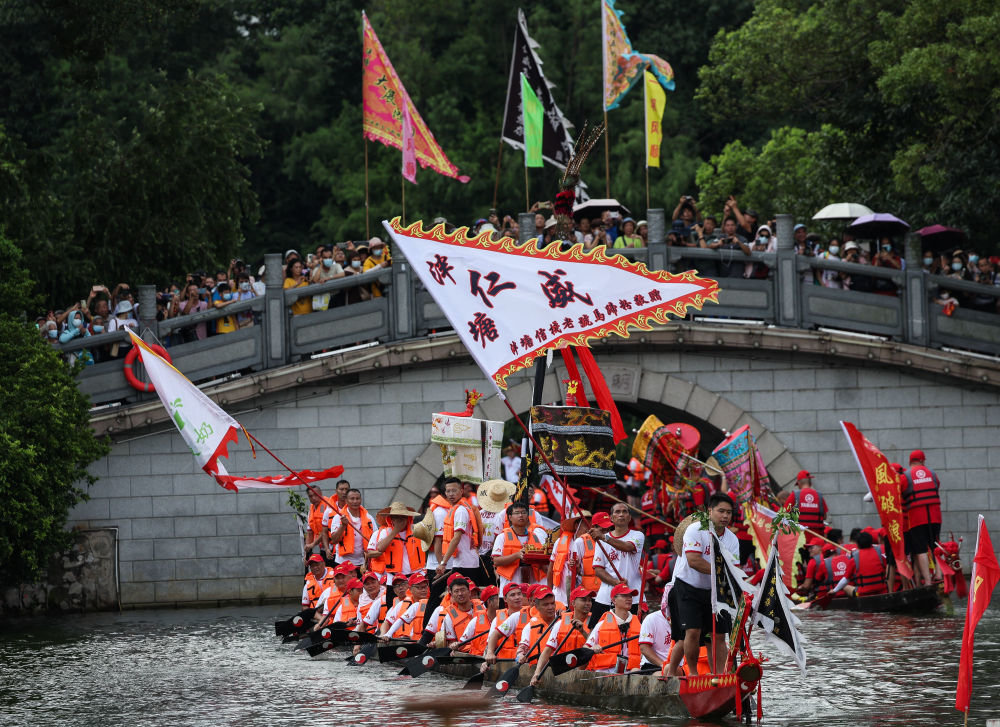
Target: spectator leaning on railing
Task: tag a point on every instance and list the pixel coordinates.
(295, 278)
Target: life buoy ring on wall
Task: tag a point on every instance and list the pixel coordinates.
(130, 376)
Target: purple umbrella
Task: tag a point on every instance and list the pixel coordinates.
(939, 238)
(879, 224)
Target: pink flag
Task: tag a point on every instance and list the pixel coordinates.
(409, 148)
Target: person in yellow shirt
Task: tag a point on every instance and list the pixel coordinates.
(378, 257)
(295, 278)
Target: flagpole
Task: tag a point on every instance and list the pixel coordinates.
(496, 184)
(527, 203)
(368, 232)
(607, 158)
(402, 187)
(647, 190)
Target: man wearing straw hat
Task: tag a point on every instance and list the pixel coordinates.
(494, 496)
(393, 549)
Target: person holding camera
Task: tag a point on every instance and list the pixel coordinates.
(728, 244)
(686, 212)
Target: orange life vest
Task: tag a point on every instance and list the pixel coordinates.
(508, 649)
(478, 644)
(439, 501)
(590, 579)
(561, 553)
(459, 619)
(536, 629)
(415, 628)
(346, 546)
(449, 526)
(392, 559)
(365, 610)
(610, 634)
(511, 545)
(539, 501)
(575, 640)
(348, 610)
(316, 586)
(316, 520)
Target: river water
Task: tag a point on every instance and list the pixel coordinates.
(225, 667)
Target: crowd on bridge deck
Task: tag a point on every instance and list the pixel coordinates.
(740, 233)
(476, 571)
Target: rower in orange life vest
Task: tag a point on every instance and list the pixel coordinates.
(922, 504)
(477, 633)
(351, 529)
(452, 619)
(393, 548)
(410, 624)
(572, 627)
(347, 610)
(334, 592)
(373, 598)
(811, 505)
(502, 646)
(527, 636)
(318, 579)
(508, 548)
(869, 568)
(818, 578)
(379, 621)
(616, 625)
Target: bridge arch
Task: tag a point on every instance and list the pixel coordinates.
(669, 396)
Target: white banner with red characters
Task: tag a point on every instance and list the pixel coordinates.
(886, 486)
(510, 303)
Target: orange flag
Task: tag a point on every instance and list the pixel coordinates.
(887, 491)
(985, 575)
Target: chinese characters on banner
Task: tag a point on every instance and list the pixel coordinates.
(511, 303)
(886, 487)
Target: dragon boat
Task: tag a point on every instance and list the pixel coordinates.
(923, 599)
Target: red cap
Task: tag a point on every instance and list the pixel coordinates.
(510, 587)
(917, 455)
(352, 584)
(488, 593)
(900, 469)
(373, 575)
(882, 532)
(601, 520)
(829, 548)
(457, 577)
(417, 578)
(623, 590)
(802, 475)
(315, 558)
(662, 544)
(541, 592)
(525, 588)
(344, 568)
(581, 592)
(819, 542)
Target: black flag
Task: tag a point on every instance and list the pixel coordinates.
(557, 144)
(772, 612)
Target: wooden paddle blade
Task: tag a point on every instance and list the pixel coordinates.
(577, 658)
(321, 648)
(290, 638)
(507, 680)
(475, 682)
(396, 652)
(420, 664)
(526, 694)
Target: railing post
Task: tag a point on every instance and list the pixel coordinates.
(786, 277)
(147, 311)
(402, 297)
(656, 224)
(275, 314)
(915, 299)
(525, 226)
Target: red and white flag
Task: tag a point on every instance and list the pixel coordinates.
(206, 428)
(886, 486)
(510, 303)
(985, 575)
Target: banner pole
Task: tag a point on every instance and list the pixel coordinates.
(496, 184)
(647, 190)
(607, 157)
(527, 203)
(402, 187)
(368, 232)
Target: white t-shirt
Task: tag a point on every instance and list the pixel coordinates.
(697, 540)
(626, 563)
(440, 514)
(492, 526)
(655, 631)
(527, 638)
(407, 618)
(464, 555)
(366, 599)
(511, 468)
(430, 624)
(498, 546)
(449, 627)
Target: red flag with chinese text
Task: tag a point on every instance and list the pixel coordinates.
(886, 486)
(985, 575)
(759, 518)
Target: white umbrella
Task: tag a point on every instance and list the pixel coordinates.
(842, 211)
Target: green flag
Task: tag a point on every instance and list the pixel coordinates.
(532, 117)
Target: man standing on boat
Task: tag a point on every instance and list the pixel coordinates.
(811, 505)
(922, 504)
(460, 533)
(508, 549)
(351, 529)
(617, 559)
(691, 596)
(394, 549)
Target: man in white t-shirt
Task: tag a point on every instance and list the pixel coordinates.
(493, 497)
(512, 463)
(655, 639)
(617, 557)
(690, 598)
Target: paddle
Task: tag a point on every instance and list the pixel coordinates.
(295, 623)
(476, 682)
(362, 657)
(580, 657)
(320, 635)
(419, 664)
(395, 652)
(509, 677)
(528, 693)
(338, 637)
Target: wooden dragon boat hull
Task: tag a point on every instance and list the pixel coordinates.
(914, 600)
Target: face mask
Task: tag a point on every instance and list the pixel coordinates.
(887, 248)
(928, 261)
(973, 259)
(355, 264)
(834, 249)
(98, 329)
(957, 266)
(377, 252)
(227, 296)
(53, 333)
(244, 287)
(328, 262)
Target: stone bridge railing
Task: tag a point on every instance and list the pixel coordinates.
(407, 311)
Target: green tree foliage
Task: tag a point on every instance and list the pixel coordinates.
(46, 443)
(911, 86)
